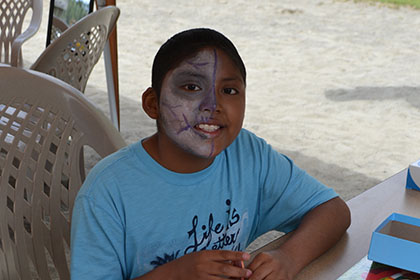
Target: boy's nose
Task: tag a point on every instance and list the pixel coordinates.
(209, 102)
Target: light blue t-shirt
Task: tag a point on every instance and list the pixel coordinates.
(132, 214)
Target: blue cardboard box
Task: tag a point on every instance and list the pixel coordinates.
(413, 176)
(396, 242)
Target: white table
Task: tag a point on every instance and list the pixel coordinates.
(368, 210)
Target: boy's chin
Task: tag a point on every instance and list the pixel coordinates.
(209, 153)
(211, 156)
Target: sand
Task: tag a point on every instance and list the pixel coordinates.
(335, 85)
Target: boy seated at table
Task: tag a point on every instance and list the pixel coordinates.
(185, 202)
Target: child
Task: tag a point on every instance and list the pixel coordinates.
(185, 202)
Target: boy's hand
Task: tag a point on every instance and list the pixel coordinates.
(318, 231)
(210, 265)
(272, 265)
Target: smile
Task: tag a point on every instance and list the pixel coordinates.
(208, 127)
(207, 130)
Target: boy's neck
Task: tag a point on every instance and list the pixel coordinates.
(173, 157)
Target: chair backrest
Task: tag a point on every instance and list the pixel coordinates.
(12, 15)
(72, 56)
(45, 125)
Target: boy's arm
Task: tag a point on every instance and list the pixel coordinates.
(319, 230)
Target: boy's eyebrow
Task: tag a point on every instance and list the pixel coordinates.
(233, 78)
(188, 74)
(197, 64)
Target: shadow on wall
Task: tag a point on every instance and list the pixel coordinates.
(346, 182)
(410, 94)
(350, 179)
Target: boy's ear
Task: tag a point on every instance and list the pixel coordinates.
(150, 103)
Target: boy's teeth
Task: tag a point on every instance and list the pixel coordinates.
(208, 127)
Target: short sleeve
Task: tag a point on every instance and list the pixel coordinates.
(287, 193)
(96, 242)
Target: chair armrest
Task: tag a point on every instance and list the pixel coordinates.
(29, 32)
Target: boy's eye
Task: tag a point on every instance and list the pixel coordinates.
(230, 91)
(191, 87)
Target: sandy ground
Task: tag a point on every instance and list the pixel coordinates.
(333, 84)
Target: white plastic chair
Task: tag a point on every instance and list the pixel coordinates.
(12, 15)
(45, 124)
(72, 56)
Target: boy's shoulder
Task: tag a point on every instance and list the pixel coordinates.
(117, 159)
(250, 147)
(249, 140)
(111, 167)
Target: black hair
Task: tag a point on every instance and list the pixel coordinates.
(186, 44)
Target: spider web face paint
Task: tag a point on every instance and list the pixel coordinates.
(195, 111)
(188, 100)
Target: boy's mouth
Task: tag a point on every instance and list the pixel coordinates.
(208, 129)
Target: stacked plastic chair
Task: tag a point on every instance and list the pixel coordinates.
(45, 124)
(72, 56)
(12, 16)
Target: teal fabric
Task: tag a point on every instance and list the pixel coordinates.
(132, 214)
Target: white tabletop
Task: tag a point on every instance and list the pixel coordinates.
(368, 210)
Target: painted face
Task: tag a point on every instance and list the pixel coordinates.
(202, 103)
